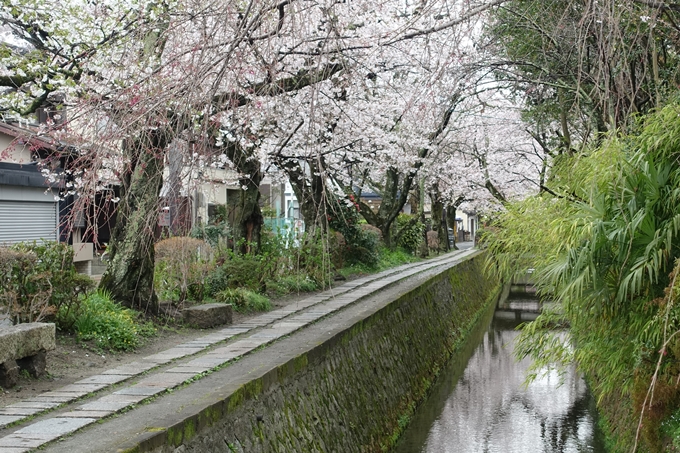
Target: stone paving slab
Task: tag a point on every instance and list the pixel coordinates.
(224, 354)
(104, 379)
(156, 361)
(140, 390)
(82, 389)
(197, 344)
(165, 380)
(7, 419)
(172, 354)
(23, 411)
(50, 399)
(14, 450)
(26, 442)
(84, 414)
(104, 406)
(54, 426)
(57, 394)
(43, 431)
(131, 369)
(186, 368)
(35, 404)
(205, 361)
(121, 398)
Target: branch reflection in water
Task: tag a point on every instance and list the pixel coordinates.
(481, 404)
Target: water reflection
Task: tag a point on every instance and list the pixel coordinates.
(486, 408)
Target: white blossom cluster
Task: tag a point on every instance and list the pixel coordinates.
(361, 85)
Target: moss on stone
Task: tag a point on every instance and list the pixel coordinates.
(253, 388)
(174, 436)
(300, 362)
(236, 400)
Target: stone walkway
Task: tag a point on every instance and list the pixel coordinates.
(69, 408)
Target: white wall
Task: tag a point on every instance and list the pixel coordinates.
(11, 152)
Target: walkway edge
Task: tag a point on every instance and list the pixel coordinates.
(180, 427)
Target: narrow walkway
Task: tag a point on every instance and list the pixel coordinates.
(69, 408)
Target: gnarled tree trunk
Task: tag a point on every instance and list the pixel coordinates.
(129, 275)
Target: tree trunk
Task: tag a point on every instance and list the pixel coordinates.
(394, 197)
(451, 221)
(129, 275)
(173, 200)
(310, 190)
(248, 218)
(439, 219)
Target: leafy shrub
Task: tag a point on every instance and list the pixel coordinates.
(245, 271)
(391, 258)
(312, 259)
(372, 229)
(671, 429)
(215, 281)
(244, 300)
(38, 281)
(110, 325)
(300, 283)
(213, 234)
(410, 232)
(181, 265)
(364, 248)
(361, 241)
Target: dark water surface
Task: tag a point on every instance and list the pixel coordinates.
(481, 405)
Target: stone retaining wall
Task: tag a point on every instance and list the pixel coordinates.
(349, 393)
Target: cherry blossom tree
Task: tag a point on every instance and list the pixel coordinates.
(253, 83)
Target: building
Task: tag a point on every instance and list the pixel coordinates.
(30, 205)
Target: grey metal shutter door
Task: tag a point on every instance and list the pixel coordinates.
(27, 221)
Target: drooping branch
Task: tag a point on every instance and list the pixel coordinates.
(450, 24)
(302, 79)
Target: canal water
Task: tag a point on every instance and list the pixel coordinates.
(481, 405)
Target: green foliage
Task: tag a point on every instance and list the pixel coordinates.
(410, 232)
(215, 281)
(108, 324)
(280, 267)
(364, 248)
(244, 300)
(607, 251)
(293, 284)
(39, 281)
(361, 245)
(388, 258)
(181, 265)
(213, 234)
(217, 231)
(671, 428)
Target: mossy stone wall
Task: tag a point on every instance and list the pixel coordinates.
(349, 393)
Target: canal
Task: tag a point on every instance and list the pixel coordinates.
(480, 403)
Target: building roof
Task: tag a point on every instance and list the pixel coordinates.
(31, 136)
(25, 175)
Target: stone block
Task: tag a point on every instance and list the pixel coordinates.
(208, 315)
(25, 340)
(9, 374)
